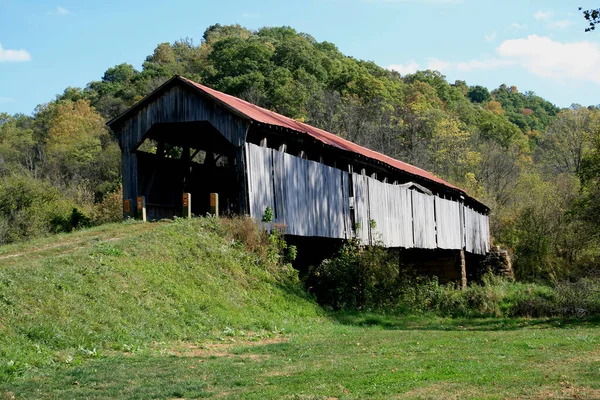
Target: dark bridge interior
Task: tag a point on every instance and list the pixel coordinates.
(186, 157)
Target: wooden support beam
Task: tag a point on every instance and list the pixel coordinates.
(186, 205)
(141, 208)
(463, 269)
(214, 204)
(127, 209)
(242, 182)
(130, 177)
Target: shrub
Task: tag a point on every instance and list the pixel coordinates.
(566, 299)
(268, 247)
(110, 209)
(30, 207)
(367, 278)
(358, 278)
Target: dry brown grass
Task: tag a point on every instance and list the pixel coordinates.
(228, 350)
(244, 230)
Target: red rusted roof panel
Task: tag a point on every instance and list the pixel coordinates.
(265, 116)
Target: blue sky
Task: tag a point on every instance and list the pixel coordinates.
(46, 46)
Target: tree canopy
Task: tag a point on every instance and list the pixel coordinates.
(534, 164)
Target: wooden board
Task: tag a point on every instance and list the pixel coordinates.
(309, 198)
(424, 220)
(448, 221)
(312, 199)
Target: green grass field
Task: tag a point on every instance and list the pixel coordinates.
(173, 310)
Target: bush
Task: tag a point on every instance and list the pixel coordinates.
(110, 209)
(367, 278)
(566, 299)
(269, 248)
(30, 207)
(358, 278)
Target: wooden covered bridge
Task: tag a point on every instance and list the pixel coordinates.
(188, 138)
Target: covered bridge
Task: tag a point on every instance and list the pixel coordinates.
(188, 138)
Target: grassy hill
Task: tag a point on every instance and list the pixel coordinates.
(181, 310)
(121, 287)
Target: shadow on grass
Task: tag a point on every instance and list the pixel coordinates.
(436, 323)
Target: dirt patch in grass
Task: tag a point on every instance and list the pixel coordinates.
(566, 392)
(226, 350)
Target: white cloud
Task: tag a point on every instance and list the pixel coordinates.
(491, 37)
(560, 24)
(7, 55)
(7, 100)
(467, 66)
(543, 15)
(486, 64)
(438, 65)
(250, 15)
(61, 12)
(541, 56)
(551, 23)
(405, 69)
(515, 27)
(547, 58)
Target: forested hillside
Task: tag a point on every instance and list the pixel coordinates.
(535, 165)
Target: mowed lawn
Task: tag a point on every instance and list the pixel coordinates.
(348, 357)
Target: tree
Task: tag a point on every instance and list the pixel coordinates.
(568, 139)
(592, 16)
(479, 94)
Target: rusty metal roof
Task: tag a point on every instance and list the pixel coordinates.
(261, 115)
(268, 117)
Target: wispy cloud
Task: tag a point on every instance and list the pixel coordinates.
(4, 100)
(491, 37)
(7, 55)
(405, 69)
(563, 24)
(541, 56)
(560, 61)
(515, 27)
(485, 64)
(61, 12)
(543, 15)
(250, 15)
(551, 22)
(467, 66)
(437, 65)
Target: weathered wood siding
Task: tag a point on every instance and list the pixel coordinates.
(260, 182)
(477, 231)
(448, 222)
(312, 199)
(309, 198)
(175, 105)
(362, 209)
(424, 220)
(390, 209)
